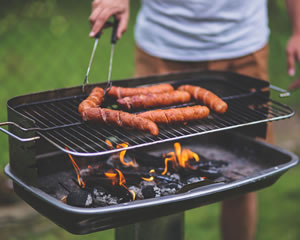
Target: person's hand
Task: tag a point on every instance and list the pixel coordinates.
(103, 9)
(293, 53)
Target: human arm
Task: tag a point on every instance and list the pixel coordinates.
(103, 9)
(293, 46)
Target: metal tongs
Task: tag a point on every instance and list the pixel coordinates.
(114, 25)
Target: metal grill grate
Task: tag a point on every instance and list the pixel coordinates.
(62, 126)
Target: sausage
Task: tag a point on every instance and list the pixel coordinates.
(120, 92)
(207, 97)
(154, 100)
(95, 99)
(176, 115)
(120, 119)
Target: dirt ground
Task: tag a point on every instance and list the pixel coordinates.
(18, 216)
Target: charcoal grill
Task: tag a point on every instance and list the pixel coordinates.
(47, 126)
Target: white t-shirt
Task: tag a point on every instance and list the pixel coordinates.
(201, 30)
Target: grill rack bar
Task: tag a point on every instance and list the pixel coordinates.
(89, 140)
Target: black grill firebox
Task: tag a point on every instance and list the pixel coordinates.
(252, 165)
(49, 128)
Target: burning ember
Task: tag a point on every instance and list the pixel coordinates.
(149, 179)
(128, 176)
(116, 177)
(180, 158)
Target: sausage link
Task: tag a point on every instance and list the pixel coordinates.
(120, 92)
(176, 115)
(207, 97)
(154, 100)
(120, 119)
(95, 99)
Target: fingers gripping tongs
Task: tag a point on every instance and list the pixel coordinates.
(114, 25)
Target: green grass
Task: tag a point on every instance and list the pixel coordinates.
(45, 45)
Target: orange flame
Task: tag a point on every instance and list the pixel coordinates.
(177, 148)
(172, 159)
(131, 163)
(151, 178)
(192, 155)
(121, 181)
(179, 158)
(110, 145)
(112, 176)
(77, 170)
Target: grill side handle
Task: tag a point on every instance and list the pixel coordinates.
(22, 129)
(282, 92)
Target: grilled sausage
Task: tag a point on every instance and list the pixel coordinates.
(154, 100)
(95, 99)
(121, 119)
(207, 97)
(120, 92)
(176, 115)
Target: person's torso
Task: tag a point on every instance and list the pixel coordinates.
(200, 30)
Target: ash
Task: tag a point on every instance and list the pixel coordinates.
(102, 198)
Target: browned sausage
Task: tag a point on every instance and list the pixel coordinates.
(207, 97)
(176, 115)
(154, 100)
(120, 92)
(95, 99)
(121, 119)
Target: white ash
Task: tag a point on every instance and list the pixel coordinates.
(89, 200)
(168, 191)
(194, 180)
(175, 177)
(104, 199)
(157, 191)
(146, 183)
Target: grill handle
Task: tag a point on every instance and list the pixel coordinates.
(283, 92)
(22, 129)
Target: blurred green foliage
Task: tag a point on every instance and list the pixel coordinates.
(44, 45)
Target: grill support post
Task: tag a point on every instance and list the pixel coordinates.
(164, 228)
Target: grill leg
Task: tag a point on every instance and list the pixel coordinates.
(163, 228)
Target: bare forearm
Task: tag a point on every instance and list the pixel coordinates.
(293, 7)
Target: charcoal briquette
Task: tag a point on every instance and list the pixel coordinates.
(148, 191)
(79, 199)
